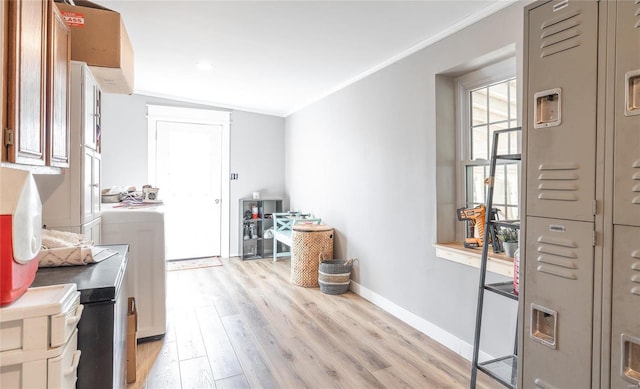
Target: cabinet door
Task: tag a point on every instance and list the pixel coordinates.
(95, 186)
(59, 57)
(625, 308)
(561, 128)
(558, 304)
(90, 185)
(93, 231)
(26, 81)
(87, 186)
(91, 96)
(626, 202)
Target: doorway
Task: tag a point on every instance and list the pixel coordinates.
(187, 162)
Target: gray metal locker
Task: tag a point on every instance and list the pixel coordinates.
(562, 60)
(558, 304)
(625, 331)
(627, 115)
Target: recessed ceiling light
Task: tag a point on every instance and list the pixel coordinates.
(204, 66)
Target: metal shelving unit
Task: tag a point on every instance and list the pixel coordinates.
(252, 241)
(503, 369)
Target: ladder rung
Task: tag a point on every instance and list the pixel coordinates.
(512, 157)
(503, 288)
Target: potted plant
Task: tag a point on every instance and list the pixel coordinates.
(509, 237)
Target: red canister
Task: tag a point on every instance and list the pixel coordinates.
(20, 233)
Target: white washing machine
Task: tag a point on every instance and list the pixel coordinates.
(142, 228)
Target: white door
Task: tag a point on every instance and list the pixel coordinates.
(188, 173)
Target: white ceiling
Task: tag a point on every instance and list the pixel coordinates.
(276, 57)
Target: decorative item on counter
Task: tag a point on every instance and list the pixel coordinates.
(60, 248)
(254, 211)
(150, 195)
(112, 195)
(509, 238)
(253, 232)
(256, 195)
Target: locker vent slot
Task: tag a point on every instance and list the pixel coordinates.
(636, 187)
(560, 33)
(557, 257)
(635, 267)
(544, 325)
(630, 366)
(558, 181)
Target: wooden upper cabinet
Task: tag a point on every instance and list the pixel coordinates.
(58, 73)
(26, 90)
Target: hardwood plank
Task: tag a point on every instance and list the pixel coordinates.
(222, 358)
(189, 338)
(165, 372)
(254, 364)
(235, 382)
(196, 374)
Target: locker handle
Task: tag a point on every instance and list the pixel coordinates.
(630, 358)
(74, 363)
(73, 320)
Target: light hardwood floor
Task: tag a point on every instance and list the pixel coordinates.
(244, 325)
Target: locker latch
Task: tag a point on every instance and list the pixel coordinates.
(8, 137)
(548, 108)
(632, 95)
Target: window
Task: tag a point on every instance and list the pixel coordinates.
(487, 101)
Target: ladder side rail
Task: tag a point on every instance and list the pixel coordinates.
(483, 263)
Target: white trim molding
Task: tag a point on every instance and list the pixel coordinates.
(436, 333)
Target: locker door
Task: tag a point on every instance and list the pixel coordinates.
(627, 115)
(625, 334)
(561, 105)
(558, 304)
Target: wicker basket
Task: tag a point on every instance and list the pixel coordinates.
(334, 276)
(309, 241)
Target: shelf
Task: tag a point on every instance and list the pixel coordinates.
(503, 370)
(506, 223)
(257, 239)
(503, 288)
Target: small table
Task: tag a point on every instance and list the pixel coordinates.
(309, 242)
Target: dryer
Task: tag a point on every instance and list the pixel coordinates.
(142, 228)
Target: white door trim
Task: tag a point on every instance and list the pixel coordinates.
(157, 113)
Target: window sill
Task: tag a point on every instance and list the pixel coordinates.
(456, 252)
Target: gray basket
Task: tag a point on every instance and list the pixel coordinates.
(334, 276)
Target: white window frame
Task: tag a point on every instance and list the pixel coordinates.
(491, 74)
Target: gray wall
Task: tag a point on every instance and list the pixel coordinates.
(372, 160)
(256, 150)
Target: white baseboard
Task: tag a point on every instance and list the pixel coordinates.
(436, 333)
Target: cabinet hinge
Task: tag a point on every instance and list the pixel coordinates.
(595, 238)
(594, 207)
(8, 137)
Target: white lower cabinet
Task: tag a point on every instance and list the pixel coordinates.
(39, 339)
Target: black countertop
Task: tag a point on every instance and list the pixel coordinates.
(96, 281)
